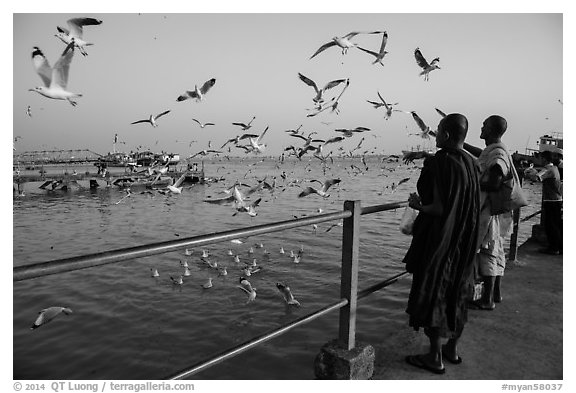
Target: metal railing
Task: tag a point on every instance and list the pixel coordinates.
(349, 294)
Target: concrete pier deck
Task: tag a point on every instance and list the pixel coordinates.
(522, 339)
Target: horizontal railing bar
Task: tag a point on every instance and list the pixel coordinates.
(41, 269)
(257, 340)
(384, 207)
(376, 287)
(530, 216)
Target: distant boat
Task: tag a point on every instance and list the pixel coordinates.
(548, 142)
(419, 148)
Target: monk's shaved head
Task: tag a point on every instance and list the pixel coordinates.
(456, 126)
(498, 125)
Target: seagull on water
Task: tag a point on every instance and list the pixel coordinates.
(245, 126)
(184, 264)
(197, 93)
(186, 272)
(426, 68)
(230, 253)
(188, 252)
(213, 265)
(319, 92)
(177, 281)
(152, 119)
(75, 33)
(207, 284)
(342, 42)
(48, 314)
(202, 125)
(284, 290)
(282, 250)
(323, 191)
(380, 55)
(29, 111)
(154, 272)
(205, 254)
(55, 78)
(247, 287)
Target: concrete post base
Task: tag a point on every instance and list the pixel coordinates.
(336, 363)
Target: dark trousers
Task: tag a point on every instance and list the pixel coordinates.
(553, 224)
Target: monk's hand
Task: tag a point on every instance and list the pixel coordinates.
(414, 201)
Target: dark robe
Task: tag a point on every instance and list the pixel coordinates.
(441, 255)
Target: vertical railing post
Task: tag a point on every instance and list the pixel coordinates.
(514, 237)
(349, 275)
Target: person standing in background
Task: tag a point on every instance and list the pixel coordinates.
(551, 204)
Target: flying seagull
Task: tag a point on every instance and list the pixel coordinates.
(440, 112)
(204, 153)
(388, 107)
(245, 126)
(48, 314)
(56, 78)
(318, 99)
(342, 42)
(380, 55)
(350, 132)
(322, 192)
(427, 68)
(426, 131)
(197, 93)
(202, 125)
(152, 119)
(75, 32)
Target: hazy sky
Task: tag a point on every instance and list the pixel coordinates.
(507, 64)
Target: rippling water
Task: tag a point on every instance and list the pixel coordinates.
(128, 325)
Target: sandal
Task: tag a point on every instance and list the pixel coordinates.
(416, 361)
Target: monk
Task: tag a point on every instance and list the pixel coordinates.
(444, 244)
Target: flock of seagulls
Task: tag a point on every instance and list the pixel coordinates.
(55, 83)
(246, 270)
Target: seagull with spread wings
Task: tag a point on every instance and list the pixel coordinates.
(388, 107)
(245, 126)
(204, 152)
(343, 42)
(426, 68)
(380, 55)
(426, 131)
(197, 93)
(76, 31)
(323, 192)
(202, 125)
(152, 119)
(255, 144)
(319, 92)
(55, 78)
(350, 132)
(441, 113)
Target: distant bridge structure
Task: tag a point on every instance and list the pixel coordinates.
(44, 157)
